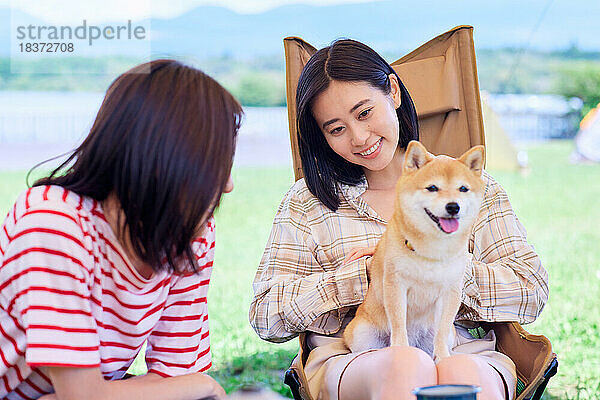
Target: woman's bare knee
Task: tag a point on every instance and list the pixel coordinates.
(389, 373)
(467, 369)
(409, 361)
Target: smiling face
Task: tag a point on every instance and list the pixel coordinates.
(360, 122)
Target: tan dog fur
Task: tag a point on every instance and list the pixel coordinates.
(416, 274)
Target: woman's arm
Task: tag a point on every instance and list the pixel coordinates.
(505, 280)
(178, 346)
(88, 383)
(296, 286)
(180, 342)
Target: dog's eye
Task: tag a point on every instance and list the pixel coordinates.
(432, 188)
(463, 188)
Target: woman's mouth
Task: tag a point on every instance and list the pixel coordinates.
(372, 151)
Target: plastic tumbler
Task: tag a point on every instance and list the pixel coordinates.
(447, 392)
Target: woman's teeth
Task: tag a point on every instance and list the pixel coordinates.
(371, 149)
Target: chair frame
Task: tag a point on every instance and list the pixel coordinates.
(446, 102)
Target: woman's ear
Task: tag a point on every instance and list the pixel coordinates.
(395, 90)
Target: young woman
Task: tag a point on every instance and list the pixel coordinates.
(115, 247)
(355, 119)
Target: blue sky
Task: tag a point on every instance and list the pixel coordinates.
(539, 24)
(54, 11)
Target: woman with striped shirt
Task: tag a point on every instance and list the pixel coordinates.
(115, 247)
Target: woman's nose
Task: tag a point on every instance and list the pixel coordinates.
(359, 137)
(229, 185)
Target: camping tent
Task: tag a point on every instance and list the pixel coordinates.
(501, 153)
(587, 140)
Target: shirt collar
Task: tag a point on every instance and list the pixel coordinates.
(351, 193)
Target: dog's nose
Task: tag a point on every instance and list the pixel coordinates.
(452, 208)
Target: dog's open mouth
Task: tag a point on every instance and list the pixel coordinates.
(447, 225)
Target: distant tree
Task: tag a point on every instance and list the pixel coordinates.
(573, 52)
(62, 74)
(582, 81)
(260, 90)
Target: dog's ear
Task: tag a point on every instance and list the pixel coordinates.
(416, 156)
(474, 159)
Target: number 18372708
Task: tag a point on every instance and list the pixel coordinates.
(46, 47)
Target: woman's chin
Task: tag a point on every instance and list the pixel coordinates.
(378, 163)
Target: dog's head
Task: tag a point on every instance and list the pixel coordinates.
(440, 195)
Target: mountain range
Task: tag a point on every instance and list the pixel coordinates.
(388, 26)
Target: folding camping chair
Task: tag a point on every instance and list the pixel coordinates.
(441, 77)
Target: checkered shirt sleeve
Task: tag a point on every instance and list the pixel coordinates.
(301, 283)
(505, 279)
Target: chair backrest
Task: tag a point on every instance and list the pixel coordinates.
(441, 77)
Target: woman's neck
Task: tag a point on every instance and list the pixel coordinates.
(386, 178)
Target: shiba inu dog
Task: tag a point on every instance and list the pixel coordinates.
(416, 274)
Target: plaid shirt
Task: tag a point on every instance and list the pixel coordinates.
(301, 283)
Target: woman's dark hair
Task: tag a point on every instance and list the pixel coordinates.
(346, 61)
(163, 142)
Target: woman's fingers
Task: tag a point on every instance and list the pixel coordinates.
(350, 256)
(359, 252)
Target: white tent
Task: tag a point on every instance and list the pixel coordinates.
(587, 140)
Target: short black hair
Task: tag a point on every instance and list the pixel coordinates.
(163, 142)
(346, 61)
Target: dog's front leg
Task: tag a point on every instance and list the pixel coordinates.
(394, 302)
(445, 315)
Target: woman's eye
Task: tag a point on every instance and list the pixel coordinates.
(432, 188)
(463, 188)
(336, 131)
(365, 113)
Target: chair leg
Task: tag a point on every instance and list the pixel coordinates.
(550, 372)
(291, 379)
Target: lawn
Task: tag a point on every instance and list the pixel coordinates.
(556, 202)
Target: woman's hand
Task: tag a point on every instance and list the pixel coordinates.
(359, 252)
(217, 390)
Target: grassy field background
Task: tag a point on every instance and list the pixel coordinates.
(557, 202)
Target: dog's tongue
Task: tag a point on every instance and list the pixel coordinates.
(449, 225)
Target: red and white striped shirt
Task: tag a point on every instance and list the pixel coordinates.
(70, 297)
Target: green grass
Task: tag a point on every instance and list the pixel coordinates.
(557, 202)
(243, 225)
